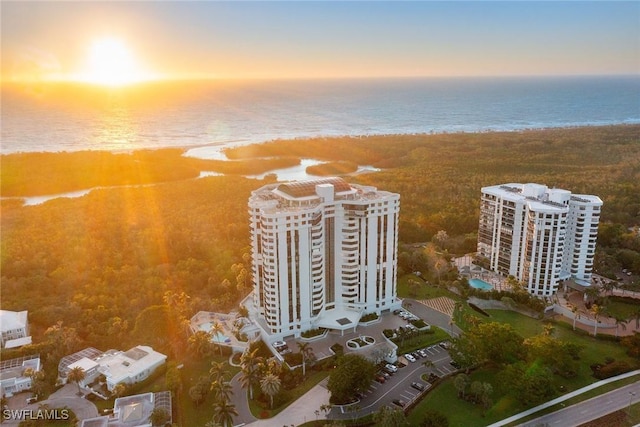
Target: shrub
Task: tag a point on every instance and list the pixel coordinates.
(478, 309)
(369, 317)
(419, 323)
(610, 370)
(313, 333)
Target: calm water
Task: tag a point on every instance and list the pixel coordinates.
(209, 115)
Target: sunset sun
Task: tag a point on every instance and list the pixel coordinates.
(110, 62)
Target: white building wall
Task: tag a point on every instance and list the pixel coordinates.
(539, 235)
(338, 266)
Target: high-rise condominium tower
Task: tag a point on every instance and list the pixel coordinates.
(540, 236)
(324, 252)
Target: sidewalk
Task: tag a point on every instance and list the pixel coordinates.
(563, 398)
(300, 411)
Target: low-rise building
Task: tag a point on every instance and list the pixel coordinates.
(14, 376)
(134, 411)
(118, 367)
(14, 328)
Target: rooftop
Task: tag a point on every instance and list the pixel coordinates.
(11, 320)
(308, 188)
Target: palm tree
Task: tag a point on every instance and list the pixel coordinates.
(428, 363)
(200, 343)
(76, 375)
(217, 371)
(222, 390)
(249, 375)
(270, 385)
(620, 321)
(596, 310)
(223, 412)
(574, 310)
(307, 354)
(216, 330)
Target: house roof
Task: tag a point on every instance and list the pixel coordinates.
(10, 320)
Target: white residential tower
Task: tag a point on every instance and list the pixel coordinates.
(324, 252)
(541, 236)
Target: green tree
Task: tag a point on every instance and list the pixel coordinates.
(159, 417)
(270, 385)
(433, 418)
(387, 417)
(223, 412)
(222, 390)
(251, 366)
(216, 330)
(352, 374)
(307, 354)
(199, 344)
(596, 310)
(76, 375)
(461, 382)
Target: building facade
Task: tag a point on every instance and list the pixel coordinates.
(324, 252)
(14, 329)
(540, 236)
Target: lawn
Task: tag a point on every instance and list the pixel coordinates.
(622, 308)
(188, 413)
(290, 396)
(462, 413)
(422, 291)
(444, 398)
(424, 340)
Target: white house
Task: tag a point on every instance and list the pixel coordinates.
(15, 329)
(12, 374)
(133, 411)
(119, 367)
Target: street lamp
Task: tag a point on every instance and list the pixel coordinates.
(631, 396)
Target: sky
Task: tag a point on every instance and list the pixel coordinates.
(330, 39)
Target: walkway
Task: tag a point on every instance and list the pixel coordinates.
(443, 304)
(302, 410)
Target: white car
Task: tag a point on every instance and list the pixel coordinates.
(410, 357)
(391, 367)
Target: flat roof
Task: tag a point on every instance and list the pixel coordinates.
(308, 188)
(339, 318)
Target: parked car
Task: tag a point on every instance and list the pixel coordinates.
(379, 378)
(391, 367)
(423, 352)
(417, 386)
(398, 402)
(409, 357)
(397, 311)
(455, 364)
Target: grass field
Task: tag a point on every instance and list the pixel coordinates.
(462, 413)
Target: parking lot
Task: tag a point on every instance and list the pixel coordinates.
(397, 390)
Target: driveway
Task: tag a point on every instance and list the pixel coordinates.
(65, 397)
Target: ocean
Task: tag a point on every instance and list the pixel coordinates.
(205, 116)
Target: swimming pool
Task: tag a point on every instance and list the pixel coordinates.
(218, 337)
(480, 284)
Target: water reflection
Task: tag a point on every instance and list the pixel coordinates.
(115, 129)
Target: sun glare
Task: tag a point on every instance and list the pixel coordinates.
(110, 62)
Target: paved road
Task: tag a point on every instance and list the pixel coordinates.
(397, 386)
(591, 409)
(240, 400)
(432, 317)
(65, 397)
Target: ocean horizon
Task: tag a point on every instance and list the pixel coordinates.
(208, 115)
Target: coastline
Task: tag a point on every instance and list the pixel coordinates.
(34, 174)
